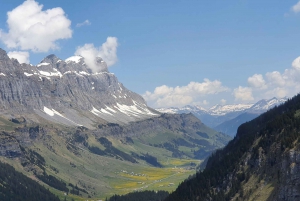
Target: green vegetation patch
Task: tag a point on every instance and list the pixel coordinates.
(6, 125)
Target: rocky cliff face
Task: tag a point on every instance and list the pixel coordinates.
(67, 92)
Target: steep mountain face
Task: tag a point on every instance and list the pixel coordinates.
(227, 118)
(67, 92)
(260, 163)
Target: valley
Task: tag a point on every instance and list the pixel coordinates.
(149, 100)
(82, 134)
(112, 159)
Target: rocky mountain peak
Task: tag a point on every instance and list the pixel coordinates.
(3, 55)
(67, 92)
(101, 64)
(52, 59)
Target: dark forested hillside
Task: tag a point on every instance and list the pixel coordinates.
(260, 163)
(14, 186)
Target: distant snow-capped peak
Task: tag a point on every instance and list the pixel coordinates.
(264, 105)
(220, 110)
(224, 109)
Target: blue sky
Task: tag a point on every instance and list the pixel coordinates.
(178, 52)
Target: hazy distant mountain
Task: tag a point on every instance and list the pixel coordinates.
(227, 118)
(230, 127)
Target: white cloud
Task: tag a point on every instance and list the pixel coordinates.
(31, 28)
(276, 84)
(86, 22)
(275, 78)
(296, 63)
(22, 57)
(278, 92)
(223, 101)
(243, 94)
(205, 102)
(107, 51)
(164, 96)
(296, 8)
(257, 81)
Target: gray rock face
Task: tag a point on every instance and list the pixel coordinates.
(9, 146)
(290, 178)
(67, 92)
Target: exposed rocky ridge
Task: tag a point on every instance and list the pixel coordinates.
(67, 92)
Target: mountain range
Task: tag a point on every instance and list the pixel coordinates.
(82, 134)
(67, 92)
(227, 118)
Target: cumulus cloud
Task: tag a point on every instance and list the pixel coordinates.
(275, 79)
(279, 92)
(107, 51)
(85, 23)
(296, 63)
(31, 28)
(296, 8)
(276, 84)
(257, 81)
(165, 96)
(22, 57)
(243, 94)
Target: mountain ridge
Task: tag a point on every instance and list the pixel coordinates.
(68, 93)
(227, 118)
(221, 110)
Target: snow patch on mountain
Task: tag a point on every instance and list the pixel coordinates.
(28, 74)
(42, 64)
(75, 59)
(52, 113)
(220, 110)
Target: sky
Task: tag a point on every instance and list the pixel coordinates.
(173, 53)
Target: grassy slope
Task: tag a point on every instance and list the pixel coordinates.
(104, 176)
